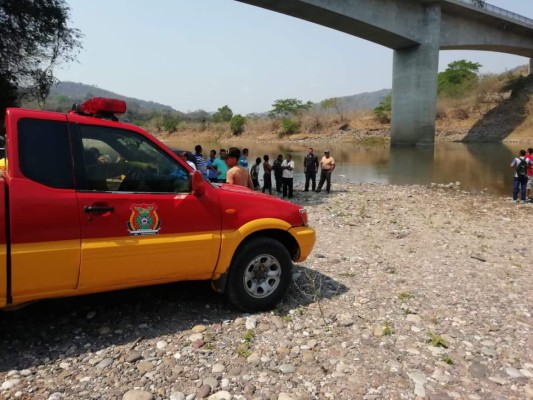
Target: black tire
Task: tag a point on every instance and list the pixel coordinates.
(248, 288)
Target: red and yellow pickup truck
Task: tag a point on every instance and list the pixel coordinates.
(91, 204)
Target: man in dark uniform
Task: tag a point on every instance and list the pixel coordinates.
(310, 169)
(278, 172)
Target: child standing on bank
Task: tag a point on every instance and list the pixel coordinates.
(267, 176)
(254, 172)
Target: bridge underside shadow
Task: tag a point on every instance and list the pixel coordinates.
(502, 120)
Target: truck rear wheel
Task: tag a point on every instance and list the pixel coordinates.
(260, 275)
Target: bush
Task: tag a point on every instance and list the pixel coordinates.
(237, 124)
(515, 85)
(223, 114)
(289, 127)
(170, 124)
(383, 110)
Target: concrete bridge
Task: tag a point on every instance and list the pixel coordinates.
(416, 30)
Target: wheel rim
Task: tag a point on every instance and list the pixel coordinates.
(262, 276)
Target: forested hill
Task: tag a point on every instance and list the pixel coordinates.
(66, 93)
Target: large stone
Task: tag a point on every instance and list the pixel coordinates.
(212, 382)
(251, 323)
(145, 366)
(218, 368)
(222, 395)
(137, 395)
(134, 356)
(440, 396)
(478, 371)
(513, 373)
(198, 328)
(203, 391)
(10, 384)
(285, 396)
(196, 336)
(420, 380)
(106, 362)
(160, 345)
(287, 368)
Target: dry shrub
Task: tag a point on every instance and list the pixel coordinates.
(528, 123)
(459, 113)
(312, 122)
(442, 111)
(259, 126)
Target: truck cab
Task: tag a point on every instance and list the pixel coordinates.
(92, 204)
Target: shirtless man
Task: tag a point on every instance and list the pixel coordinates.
(237, 175)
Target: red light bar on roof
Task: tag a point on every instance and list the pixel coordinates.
(103, 105)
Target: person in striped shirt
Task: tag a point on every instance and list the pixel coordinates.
(201, 165)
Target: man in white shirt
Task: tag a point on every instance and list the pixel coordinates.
(288, 174)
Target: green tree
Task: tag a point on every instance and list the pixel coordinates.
(383, 110)
(287, 107)
(223, 114)
(170, 123)
(328, 104)
(333, 104)
(34, 39)
(458, 78)
(237, 124)
(289, 127)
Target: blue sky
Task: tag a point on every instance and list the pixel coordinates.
(204, 54)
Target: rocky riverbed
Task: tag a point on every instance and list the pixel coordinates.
(410, 293)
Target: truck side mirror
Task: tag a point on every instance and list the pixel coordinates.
(198, 184)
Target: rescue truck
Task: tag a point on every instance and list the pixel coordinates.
(92, 204)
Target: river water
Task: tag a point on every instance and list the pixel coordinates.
(479, 167)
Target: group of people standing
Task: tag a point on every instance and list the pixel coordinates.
(311, 164)
(232, 167)
(523, 176)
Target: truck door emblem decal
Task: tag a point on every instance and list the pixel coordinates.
(144, 220)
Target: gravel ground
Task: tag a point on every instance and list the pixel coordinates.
(410, 293)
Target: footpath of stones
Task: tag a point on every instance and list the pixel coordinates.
(411, 292)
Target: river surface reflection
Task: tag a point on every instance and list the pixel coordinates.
(477, 166)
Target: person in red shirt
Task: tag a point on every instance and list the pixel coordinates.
(529, 186)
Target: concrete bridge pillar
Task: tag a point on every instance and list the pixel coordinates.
(414, 85)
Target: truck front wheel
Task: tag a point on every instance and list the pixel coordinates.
(260, 275)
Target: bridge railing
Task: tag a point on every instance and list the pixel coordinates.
(499, 11)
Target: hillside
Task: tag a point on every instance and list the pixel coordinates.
(64, 94)
(77, 92)
(363, 101)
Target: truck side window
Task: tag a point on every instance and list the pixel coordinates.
(44, 152)
(125, 161)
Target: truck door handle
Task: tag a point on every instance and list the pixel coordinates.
(97, 209)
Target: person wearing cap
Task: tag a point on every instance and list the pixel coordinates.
(288, 175)
(327, 165)
(237, 175)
